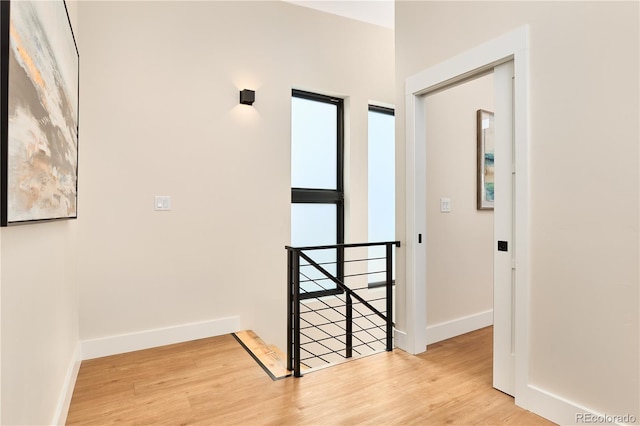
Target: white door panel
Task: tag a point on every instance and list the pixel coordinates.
(504, 244)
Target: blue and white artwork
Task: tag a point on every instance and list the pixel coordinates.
(488, 176)
(486, 167)
(42, 135)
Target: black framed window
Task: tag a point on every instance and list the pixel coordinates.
(381, 196)
(317, 184)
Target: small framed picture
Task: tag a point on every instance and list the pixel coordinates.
(486, 151)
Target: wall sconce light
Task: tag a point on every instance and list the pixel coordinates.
(247, 97)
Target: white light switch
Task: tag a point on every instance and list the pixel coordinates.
(162, 203)
(445, 205)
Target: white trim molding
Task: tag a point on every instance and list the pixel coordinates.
(96, 348)
(565, 412)
(64, 402)
(415, 341)
(400, 338)
(456, 327)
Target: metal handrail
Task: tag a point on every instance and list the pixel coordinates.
(349, 245)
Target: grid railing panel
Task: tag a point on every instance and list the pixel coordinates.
(332, 318)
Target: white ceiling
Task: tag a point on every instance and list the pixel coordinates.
(377, 12)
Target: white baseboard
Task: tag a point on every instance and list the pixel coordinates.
(112, 345)
(564, 412)
(400, 339)
(458, 326)
(62, 409)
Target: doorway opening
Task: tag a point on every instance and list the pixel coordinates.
(459, 248)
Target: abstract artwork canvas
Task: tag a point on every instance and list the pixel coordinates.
(486, 152)
(39, 109)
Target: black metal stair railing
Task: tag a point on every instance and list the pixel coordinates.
(332, 315)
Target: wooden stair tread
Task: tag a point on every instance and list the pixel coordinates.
(270, 357)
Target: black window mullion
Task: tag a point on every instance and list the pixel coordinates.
(382, 110)
(305, 195)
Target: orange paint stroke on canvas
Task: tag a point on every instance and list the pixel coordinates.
(33, 70)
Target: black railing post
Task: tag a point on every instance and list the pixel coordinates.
(349, 327)
(289, 309)
(389, 297)
(296, 314)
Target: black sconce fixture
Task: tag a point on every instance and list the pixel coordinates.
(247, 97)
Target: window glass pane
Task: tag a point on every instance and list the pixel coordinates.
(382, 183)
(315, 225)
(313, 144)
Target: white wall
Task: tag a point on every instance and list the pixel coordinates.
(584, 182)
(39, 317)
(459, 243)
(160, 116)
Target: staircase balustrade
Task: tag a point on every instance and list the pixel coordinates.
(331, 315)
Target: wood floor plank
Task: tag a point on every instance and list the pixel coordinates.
(216, 382)
(272, 359)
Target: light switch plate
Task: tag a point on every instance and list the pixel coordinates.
(445, 205)
(162, 203)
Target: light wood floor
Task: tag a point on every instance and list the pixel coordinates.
(216, 382)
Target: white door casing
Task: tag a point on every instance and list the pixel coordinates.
(512, 46)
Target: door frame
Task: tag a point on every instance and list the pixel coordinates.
(513, 46)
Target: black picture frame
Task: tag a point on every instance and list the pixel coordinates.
(39, 109)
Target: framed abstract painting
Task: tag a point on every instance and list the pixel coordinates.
(486, 151)
(39, 65)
